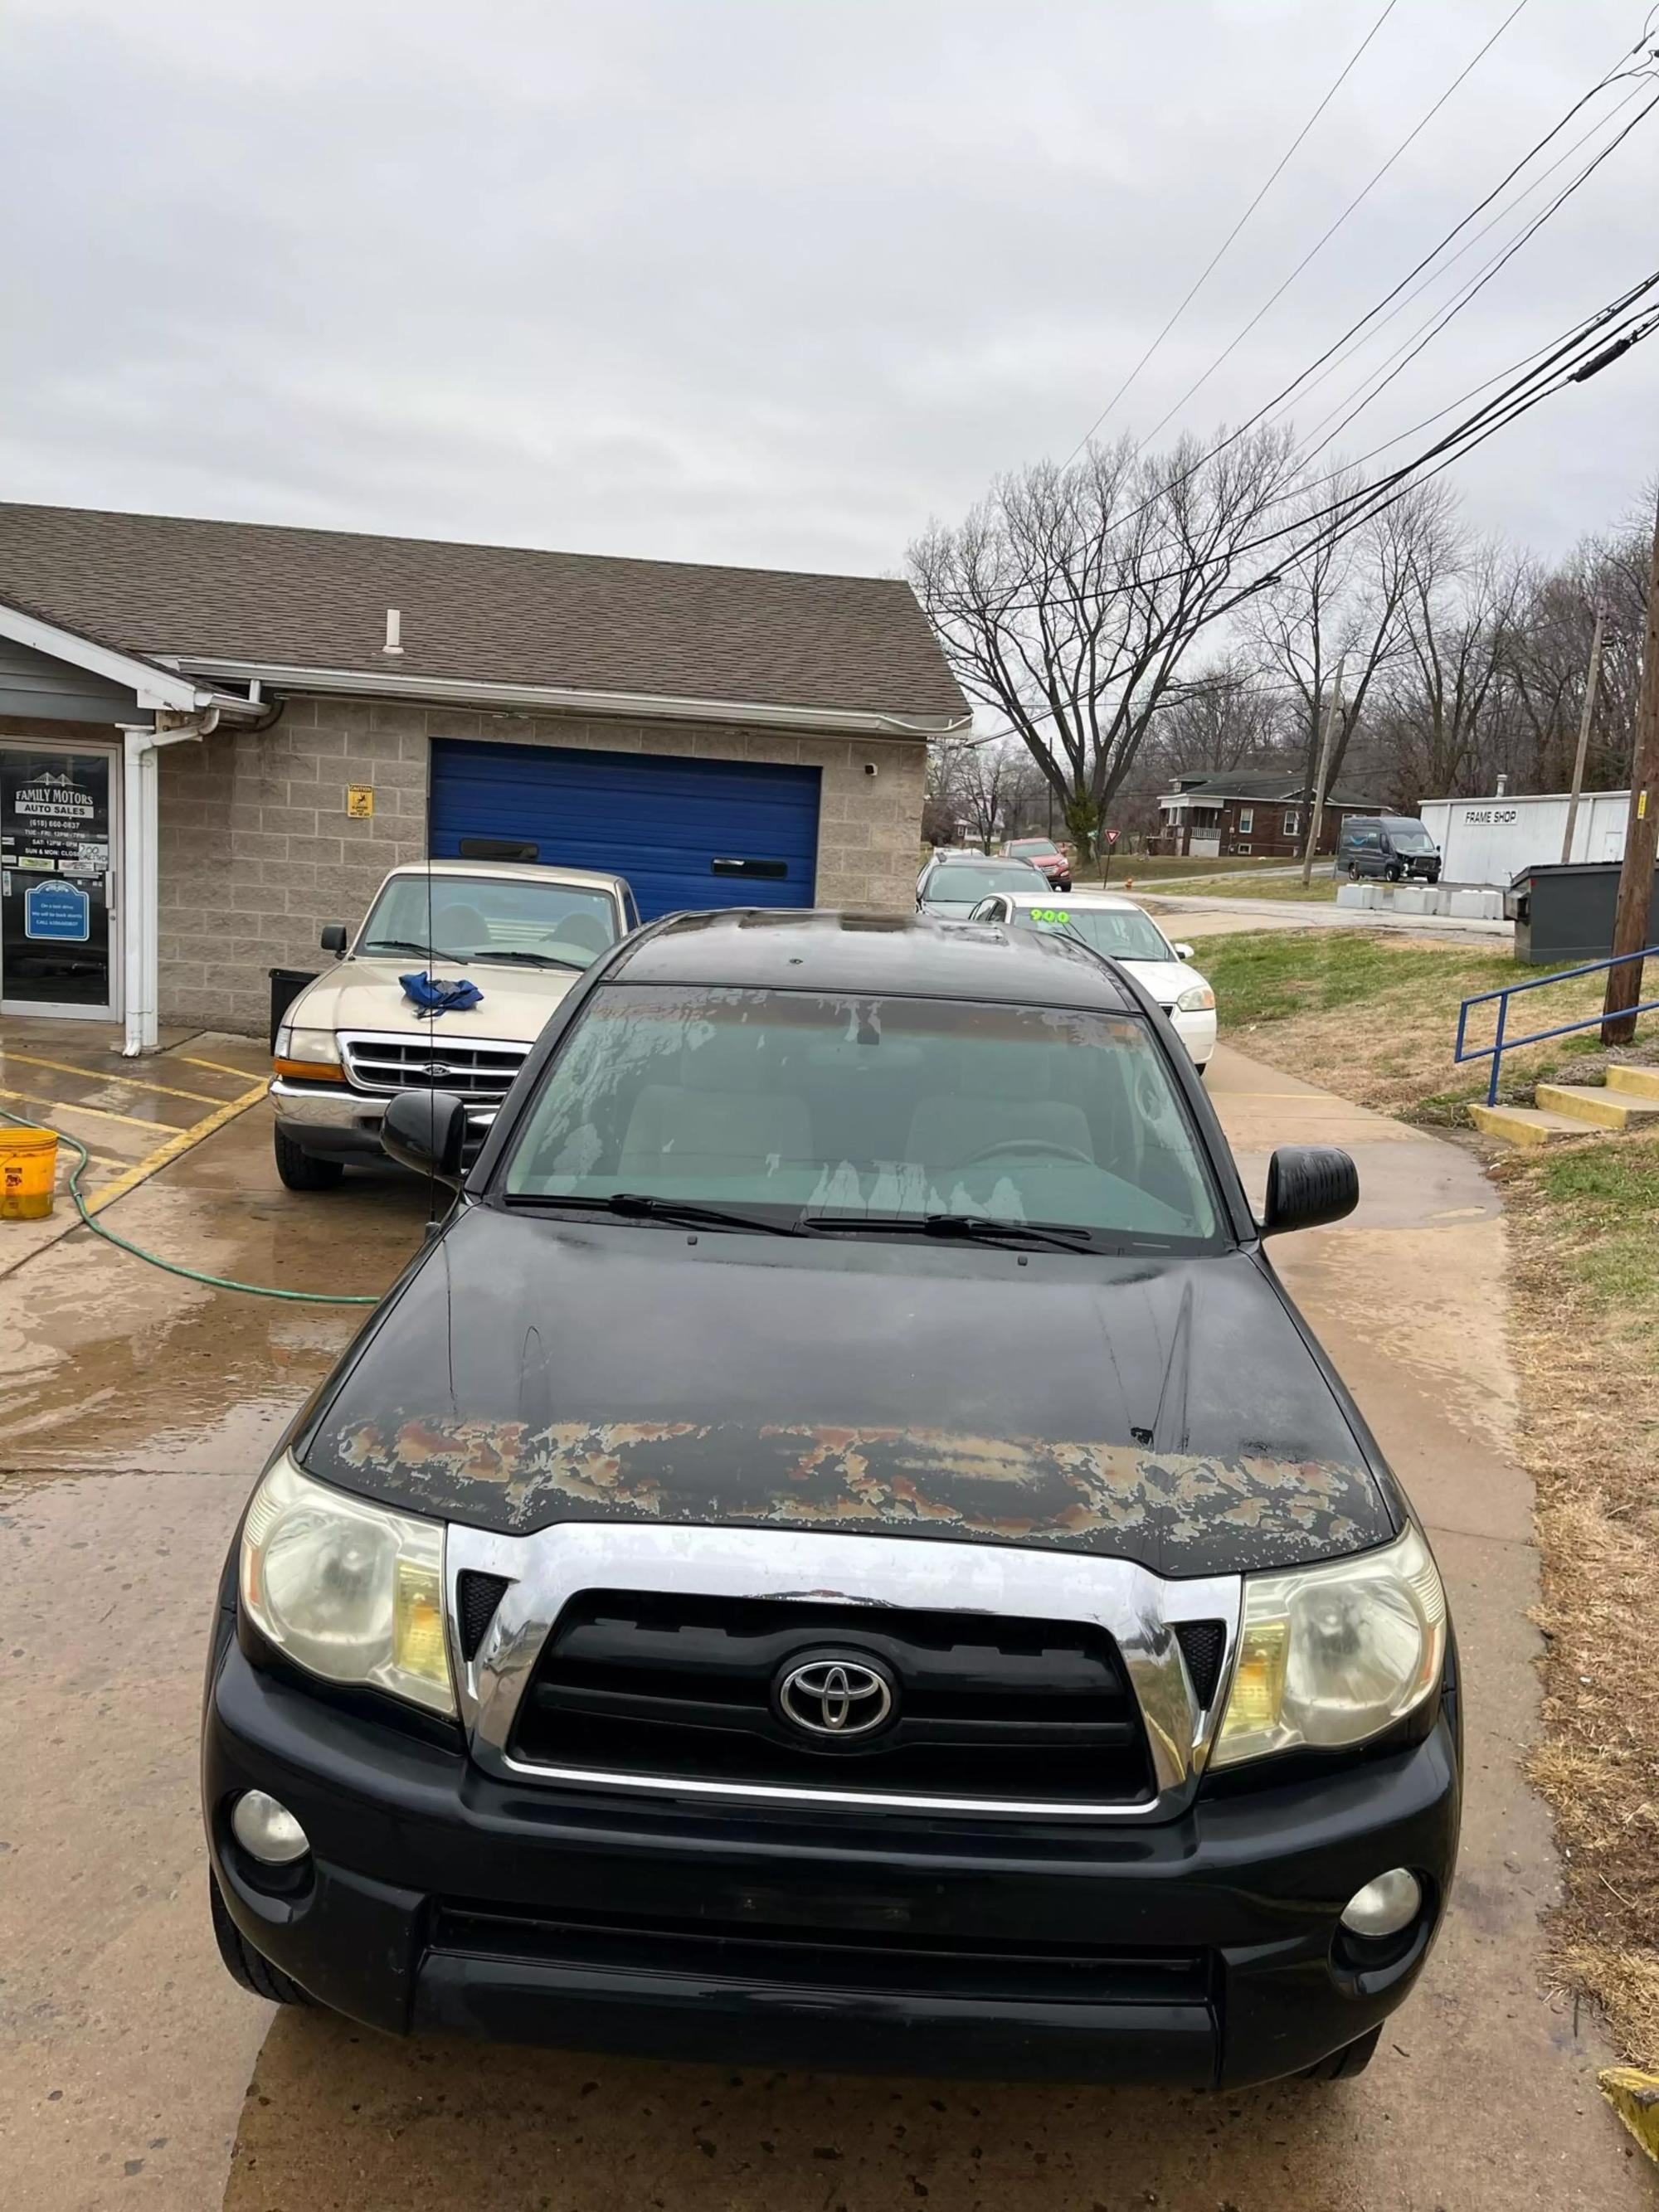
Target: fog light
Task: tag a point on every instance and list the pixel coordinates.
(269, 1832)
(1386, 1906)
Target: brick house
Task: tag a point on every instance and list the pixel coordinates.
(1249, 812)
(215, 738)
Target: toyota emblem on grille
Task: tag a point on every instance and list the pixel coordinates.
(829, 1695)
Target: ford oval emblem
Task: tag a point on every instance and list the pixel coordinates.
(832, 1695)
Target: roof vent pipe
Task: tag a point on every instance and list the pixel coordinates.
(394, 631)
(1503, 786)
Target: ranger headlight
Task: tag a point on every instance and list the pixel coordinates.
(346, 1589)
(1332, 1654)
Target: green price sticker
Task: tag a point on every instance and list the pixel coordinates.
(1050, 914)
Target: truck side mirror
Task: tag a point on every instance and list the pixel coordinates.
(333, 939)
(1181, 951)
(1307, 1186)
(426, 1130)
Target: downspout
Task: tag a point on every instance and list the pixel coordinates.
(140, 872)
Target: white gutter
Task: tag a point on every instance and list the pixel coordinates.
(467, 691)
(140, 883)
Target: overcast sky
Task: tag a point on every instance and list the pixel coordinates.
(768, 282)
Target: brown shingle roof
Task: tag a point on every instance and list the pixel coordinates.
(317, 598)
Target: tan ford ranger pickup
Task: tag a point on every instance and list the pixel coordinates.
(353, 1037)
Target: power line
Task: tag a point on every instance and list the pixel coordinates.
(1527, 190)
(1613, 75)
(1209, 267)
(1324, 240)
(1428, 332)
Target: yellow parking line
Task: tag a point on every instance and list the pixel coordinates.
(103, 1113)
(219, 1066)
(184, 1141)
(93, 1075)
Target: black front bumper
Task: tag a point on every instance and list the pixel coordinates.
(1194, 1951)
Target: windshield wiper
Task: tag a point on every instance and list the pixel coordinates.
(531, 959)
(407, 944)
(981, 1228)
(639, 1206)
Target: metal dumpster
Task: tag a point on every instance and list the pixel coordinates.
(1563, 911)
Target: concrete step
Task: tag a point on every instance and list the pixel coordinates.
(1593, 1104)
(1634, 1082)
(1525, 1125)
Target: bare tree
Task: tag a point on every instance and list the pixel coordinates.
(1068, 597)
(1225, 718)
(985, 790)
(1346, 600)
(1451, 690)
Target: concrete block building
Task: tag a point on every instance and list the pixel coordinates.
(217, 737)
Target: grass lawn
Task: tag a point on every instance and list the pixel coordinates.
(1583, 1225)
(1323, 887)
(1374, 1016)
(1152, 867)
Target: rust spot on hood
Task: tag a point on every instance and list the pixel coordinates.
(1194, 1513)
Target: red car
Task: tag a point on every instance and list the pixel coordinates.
(1041, 852)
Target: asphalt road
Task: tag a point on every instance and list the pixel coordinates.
(133, 2074)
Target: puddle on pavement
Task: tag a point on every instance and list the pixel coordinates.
(112, 1364)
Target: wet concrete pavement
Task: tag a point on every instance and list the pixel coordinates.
(133, 2073)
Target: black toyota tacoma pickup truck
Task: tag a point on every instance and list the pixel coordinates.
(842, 1553)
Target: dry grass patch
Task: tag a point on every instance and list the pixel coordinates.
(1584, 1233)
(1372, 1015)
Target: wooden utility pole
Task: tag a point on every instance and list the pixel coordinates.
(1630, 921)
(1590, 683)
(1316, 797)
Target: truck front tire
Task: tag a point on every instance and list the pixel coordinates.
(299, 1170)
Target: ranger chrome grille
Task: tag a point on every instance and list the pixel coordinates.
(479, 1070)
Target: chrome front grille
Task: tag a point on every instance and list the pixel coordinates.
(625, 1656)
(480, 1070)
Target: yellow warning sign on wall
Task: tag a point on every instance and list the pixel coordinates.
(360, 801)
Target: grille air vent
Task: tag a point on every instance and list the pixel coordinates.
(478, 1595)
(1202, 1643)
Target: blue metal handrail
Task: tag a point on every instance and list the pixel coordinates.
(1502, 1043)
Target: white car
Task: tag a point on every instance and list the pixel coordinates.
(352, 1039)
(1119, 928)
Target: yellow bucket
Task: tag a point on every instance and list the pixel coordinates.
(28, 1172)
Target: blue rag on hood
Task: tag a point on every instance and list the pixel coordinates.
(456, 998)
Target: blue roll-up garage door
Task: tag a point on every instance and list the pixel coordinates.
(684, 832)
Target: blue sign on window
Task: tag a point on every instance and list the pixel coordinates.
(58, 911)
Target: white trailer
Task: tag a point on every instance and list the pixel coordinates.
(1490, 841)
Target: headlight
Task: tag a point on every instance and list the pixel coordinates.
(346, 1589)
(1197, 999)
(320, 1048)
(1332, 1656)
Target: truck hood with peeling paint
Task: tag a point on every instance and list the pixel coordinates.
(531, 1371)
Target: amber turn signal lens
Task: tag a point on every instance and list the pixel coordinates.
(310, 1071)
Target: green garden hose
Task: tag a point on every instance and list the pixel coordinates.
(172, 1267)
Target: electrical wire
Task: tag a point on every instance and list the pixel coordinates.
(1404, 355)
(1429, 282)
(1543, 360)
(1325, 238)
(175, 1266)
(1613, 75)
(1210, 267)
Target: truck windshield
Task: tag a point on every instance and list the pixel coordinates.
(861, 1111)
(482, 918)
(1410, 837)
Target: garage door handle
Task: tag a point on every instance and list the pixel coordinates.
(776, 869)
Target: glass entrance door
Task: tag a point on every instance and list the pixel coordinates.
(56, 825)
